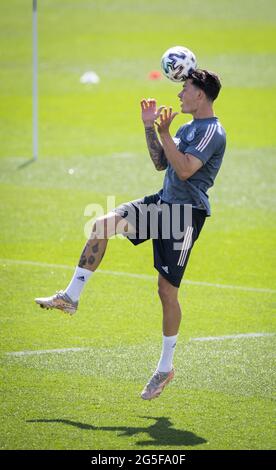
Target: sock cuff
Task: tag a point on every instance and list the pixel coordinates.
(168, 339)
(83, 270)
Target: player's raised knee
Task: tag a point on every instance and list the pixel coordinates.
(100, 228)
(106, 226)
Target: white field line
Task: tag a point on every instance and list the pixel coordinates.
(138, 276)
(238, 336)
(46, 351)
(65, 350)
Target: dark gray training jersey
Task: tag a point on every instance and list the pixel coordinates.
(206, 140)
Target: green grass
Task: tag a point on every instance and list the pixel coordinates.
(222, 396)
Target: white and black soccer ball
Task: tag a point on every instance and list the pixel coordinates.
(177, 62)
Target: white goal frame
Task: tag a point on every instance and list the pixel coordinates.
(35, 83)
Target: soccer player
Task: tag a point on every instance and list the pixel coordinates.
(192, 160)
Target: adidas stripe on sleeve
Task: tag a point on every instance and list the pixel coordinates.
(205, 143)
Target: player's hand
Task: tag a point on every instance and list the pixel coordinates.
(165, 121)
(149, 111)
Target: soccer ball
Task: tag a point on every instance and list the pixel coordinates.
(177, 62)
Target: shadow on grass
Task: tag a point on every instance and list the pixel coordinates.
(161, 432)
(27, 163)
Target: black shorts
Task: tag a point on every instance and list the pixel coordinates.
(173, 229)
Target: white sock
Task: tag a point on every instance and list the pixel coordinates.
(77, 283)
(165, 362)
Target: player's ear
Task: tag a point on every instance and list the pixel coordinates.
(201, 94)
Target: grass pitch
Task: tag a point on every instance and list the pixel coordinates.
(222, 396)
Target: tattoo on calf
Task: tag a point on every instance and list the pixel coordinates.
(84, 260)
(91, 259)
(95, 248)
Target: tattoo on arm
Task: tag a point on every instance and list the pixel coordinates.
(156, 150)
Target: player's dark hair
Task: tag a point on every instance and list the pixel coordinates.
(207, 81)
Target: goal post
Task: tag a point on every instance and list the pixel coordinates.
(35, 83)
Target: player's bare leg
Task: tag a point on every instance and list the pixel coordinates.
(94, 249)
(171, 321)
(104, 228)
(171, 309)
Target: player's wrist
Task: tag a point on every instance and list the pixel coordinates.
(164, 134)
(148, 124)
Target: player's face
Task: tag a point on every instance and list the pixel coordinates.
(189, 96)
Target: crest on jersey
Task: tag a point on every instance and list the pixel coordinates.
(191, 135)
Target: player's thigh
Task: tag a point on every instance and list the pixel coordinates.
(111, 224)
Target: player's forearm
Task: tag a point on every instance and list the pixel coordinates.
(155, 148)
(174, 156)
